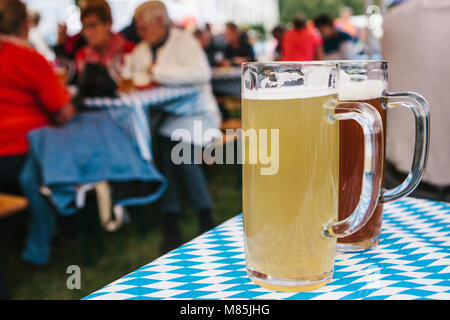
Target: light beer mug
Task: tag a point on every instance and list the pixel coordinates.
(366, 81)
(291, 116)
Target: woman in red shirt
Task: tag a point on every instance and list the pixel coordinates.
(103, 47)
(31, 94)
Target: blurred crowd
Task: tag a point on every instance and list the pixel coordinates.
(321, 38)
(305, 38)
(42, 86)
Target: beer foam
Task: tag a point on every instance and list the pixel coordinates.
(312, 81)
(353, 88)
(287, 93)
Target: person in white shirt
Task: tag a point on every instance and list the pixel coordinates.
(415, 45)
(170, 56)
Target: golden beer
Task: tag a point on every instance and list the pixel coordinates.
(284, 212)
(62, 75)
(126, 85)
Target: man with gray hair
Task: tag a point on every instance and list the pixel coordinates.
(170, 56)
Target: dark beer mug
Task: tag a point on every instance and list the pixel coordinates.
(367, 81)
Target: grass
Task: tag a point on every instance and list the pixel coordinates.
(125, 250)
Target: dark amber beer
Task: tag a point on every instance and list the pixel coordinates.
(366, 81)
(351, 162)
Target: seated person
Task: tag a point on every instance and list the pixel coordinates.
(67, 46)
(170, 56)
(337, 45)
(418, 61)
(204, 37)
(238, 49)
(278, 33)
(103, 47)
(31, 97)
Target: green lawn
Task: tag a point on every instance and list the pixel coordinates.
(125, 250)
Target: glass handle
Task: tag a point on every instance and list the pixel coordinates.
(421, 113)
(370, 121)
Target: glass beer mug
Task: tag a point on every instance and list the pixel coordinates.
(366, 81)
(291, 146)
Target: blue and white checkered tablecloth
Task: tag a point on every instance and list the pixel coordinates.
(412, 261)
(131, 111)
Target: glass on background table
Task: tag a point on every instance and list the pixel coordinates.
(412, 261)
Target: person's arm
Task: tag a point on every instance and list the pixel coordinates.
(51, 94)
(59, 47)
(239, 60)
(224, 63)
(319, 54)
(251, 53)
(283, 48)
(63, 115)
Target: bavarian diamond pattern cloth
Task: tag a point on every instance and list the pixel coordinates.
(131, 111)
(412, 261)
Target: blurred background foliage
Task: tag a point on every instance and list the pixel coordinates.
(312, 8)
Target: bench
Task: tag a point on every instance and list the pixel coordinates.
(11, 204)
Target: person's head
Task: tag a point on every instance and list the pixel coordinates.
(197, 34)
(152, 21)
(34, 18)
(325, 25)
(299, 22)
(97, 23)
(13, 18)
(232, 33)
(82, 4)
(278, 32)
(203, 37)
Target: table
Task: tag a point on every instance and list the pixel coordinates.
(112, 144)
(130, 111)
(227, 82)
(10, 204)
(412, 261)
(125, 155)
(226, 73)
